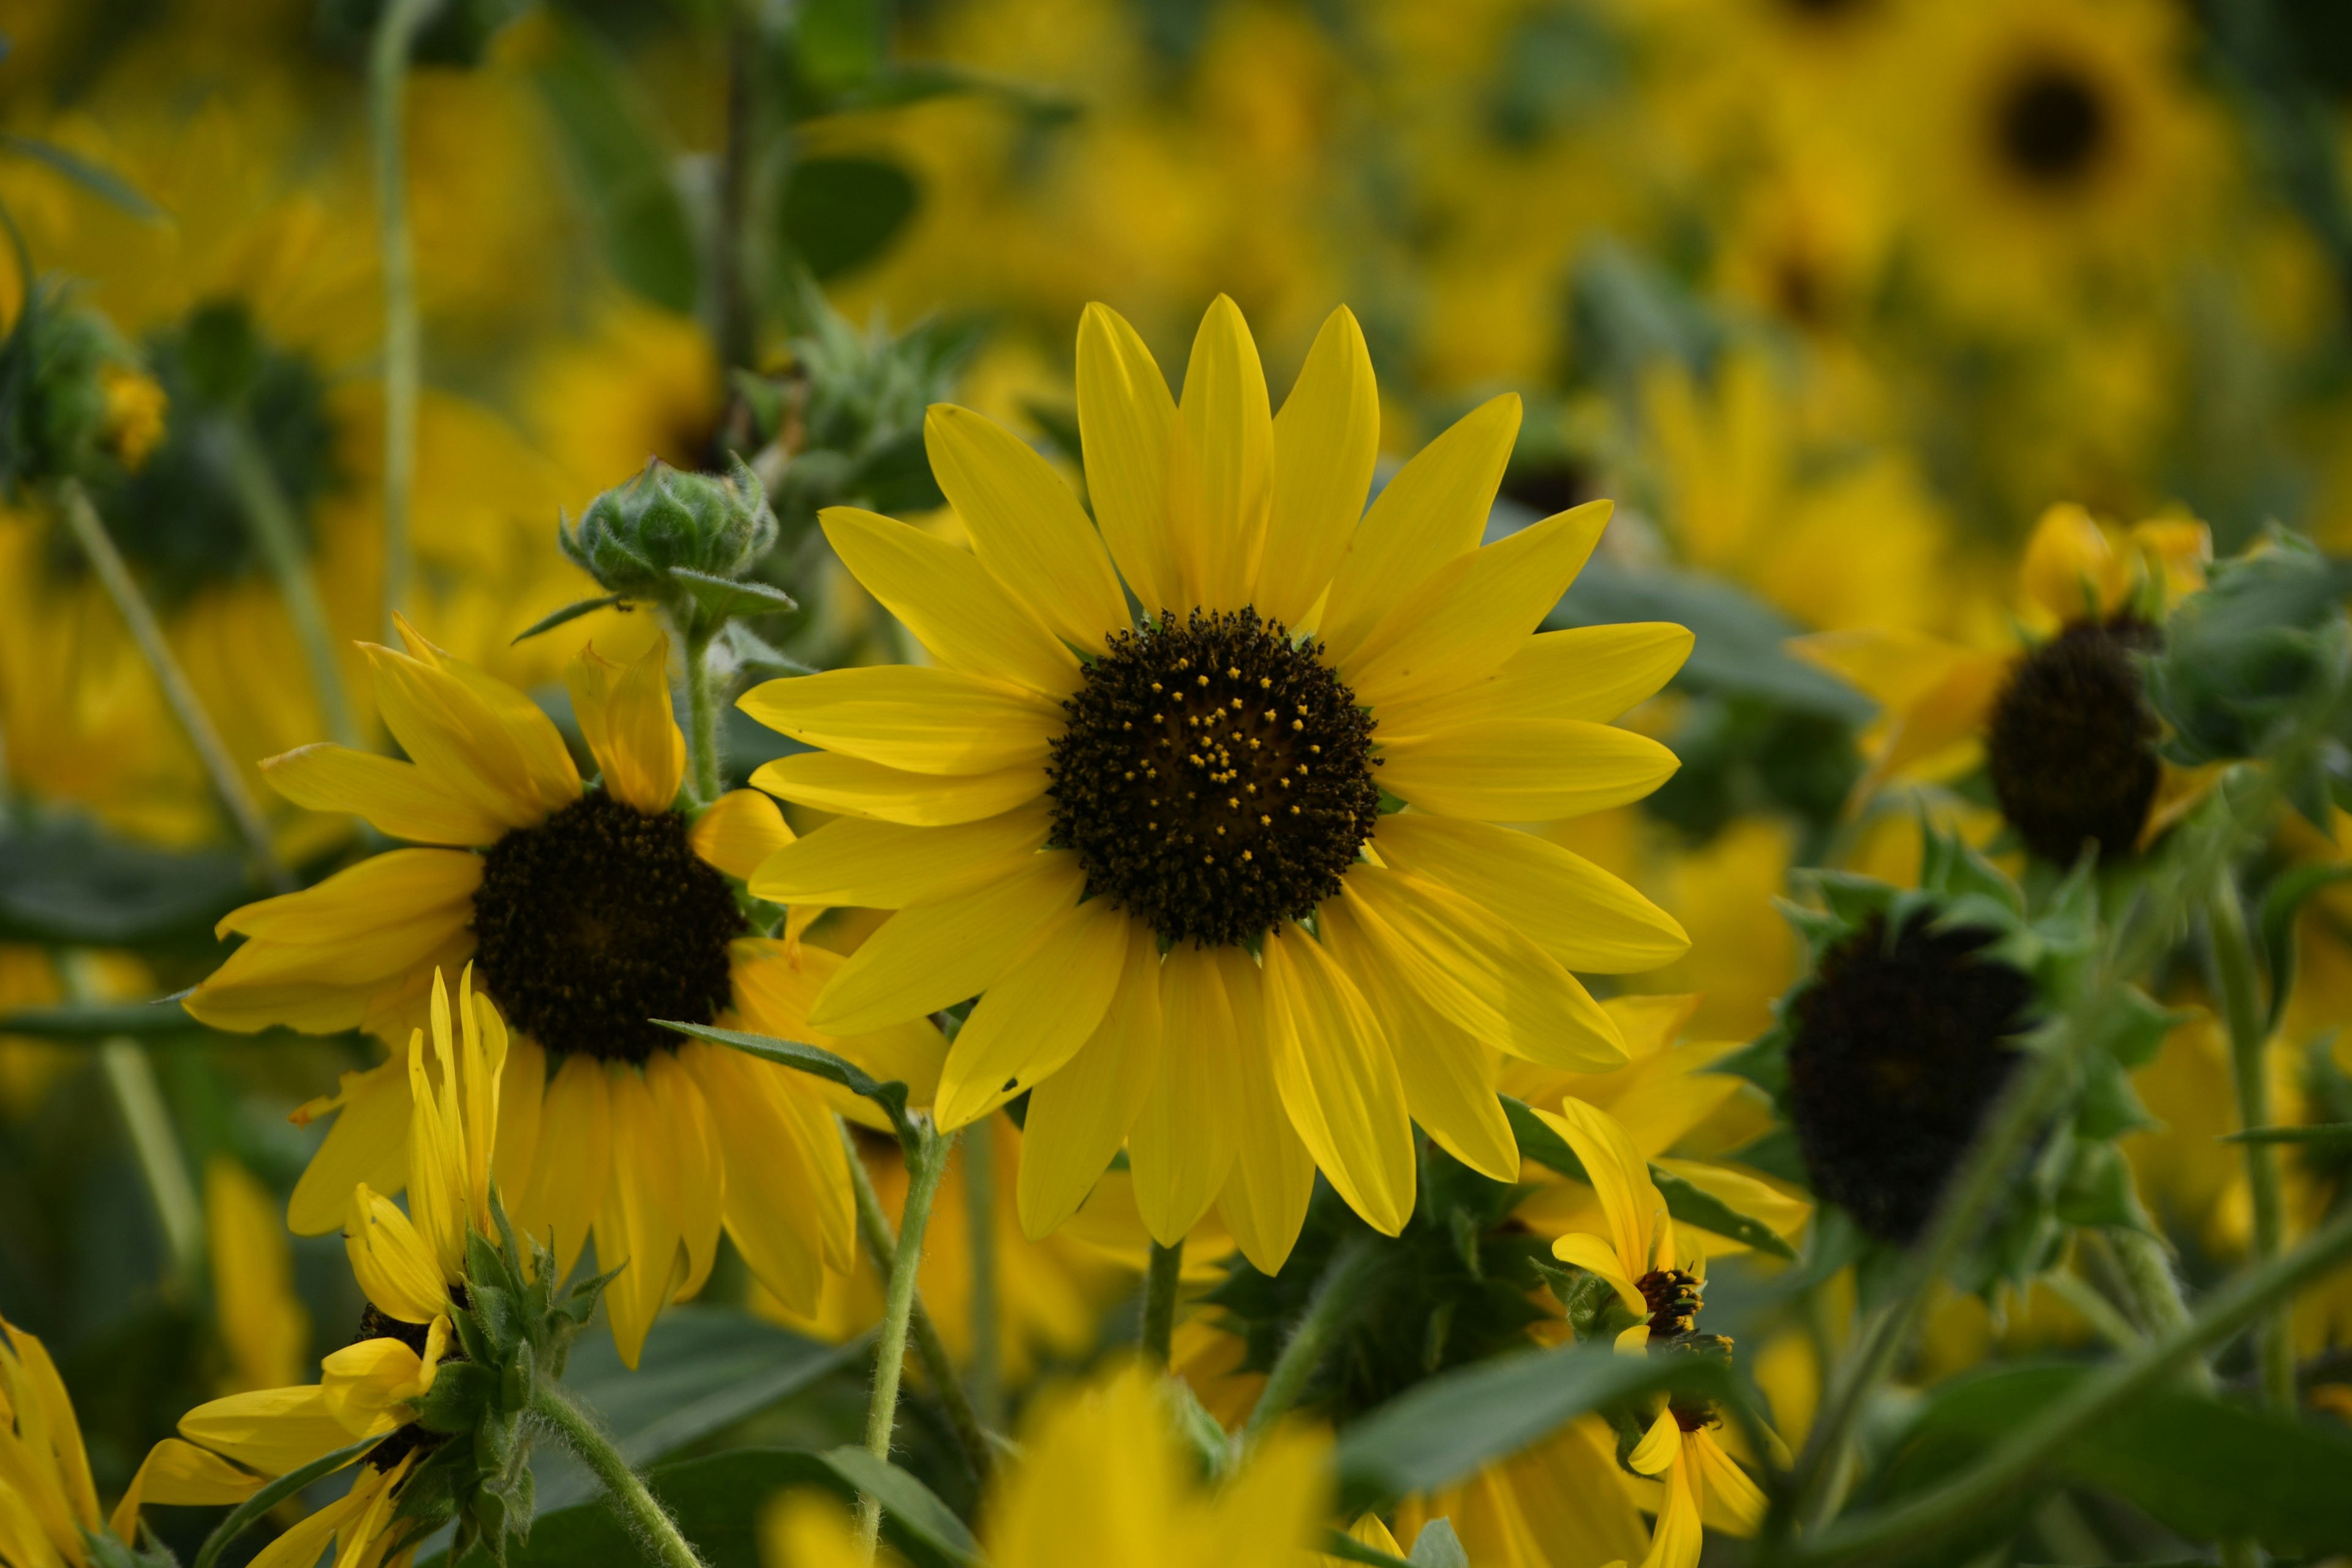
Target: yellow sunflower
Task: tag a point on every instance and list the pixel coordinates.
(1232, 891)
(587, 911)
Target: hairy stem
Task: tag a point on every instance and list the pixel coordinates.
(980, 1220)
(196, 722)
(579, 1433)
(2232, 963)
(270, 519)
(1335, 1297)
(702, 768)
(1159, 1280)
(927, 1159)
(395, 31)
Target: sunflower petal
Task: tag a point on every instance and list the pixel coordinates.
(1594, 673)
(1338, 1080)
(738, 832)
(546, 760)
(368, 1143)
(272, 1430)
(1621, 1180)
(1181, 1145)
(1128, 428)
(855, 788)
(1265, 1198)
(1035, 1016)
(624, 711)
(461, 741)
(922, 718)
(1574, 910)
(941, 949)
(574, 1163)
(1729, 1489)
(1026, 527)
(701, 1172)
(787, 1177)
(1229, 428)
(399, 799)
(639, 1224)
(1595, 1254)
(1660, 1446)
(1524, 769)
(1326, 441)
(2071, 570)
(1079, 1116)
(774, 988)
(955, 607)
(860, 863)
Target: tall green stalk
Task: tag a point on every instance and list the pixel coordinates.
(395, 32)
(228, 783)
(927, 1159)
(702, 767)
(648, 1521)
(1334, 1297)
(155, 1142)
(2232, 958)
(979, 1223)
(1159, 1281)
(270, 520)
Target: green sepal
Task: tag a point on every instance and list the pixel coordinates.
(571, 612)
(1215, 1452)
(2098, 1190)
(460, 1396)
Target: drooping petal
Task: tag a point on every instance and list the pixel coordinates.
(2071, 570)
(181, 1473)
(853, 787)
(399, 799)
(574, 1163)
(1621, 1180)
(701, 1172)
(1326, 441)
(1037, 1013)
(1338, 1079)
(1729, 1491)
(861, 863)
(393, 1264)
(272, 1430)
(539, 745)
(45, 1419)
(1131, 432)
(788, 1194)
(920, 718)
(523, 1095)
(1080, 1116)
(1574, 910)
(774, 988)
(624, 713)
(1679, 1535)
(1265, 1198)
(396, 889)
(1474, 613)
(1524, 769)
(309, 1536)
(738, 832)
(941, 949)
(952, 603)
(1182, 1144)
(1026, 527)
(460, 742)
(1597, 1255)
(1229, 428)
(1594, 673)
(368, 1143)
(639, 1225)
(1660, 1446)
(1434, 509)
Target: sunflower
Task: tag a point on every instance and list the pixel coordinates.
(1233, 894)
(2062, 724)
(1637, 1253)
(587, 911)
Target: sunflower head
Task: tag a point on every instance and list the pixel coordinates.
(635, 535)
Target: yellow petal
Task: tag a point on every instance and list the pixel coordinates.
(1566, 905)
(546, 760)
(1080, 1116)
(181, 1473)
(523, 1095)
(1326, 440)
(1480, 974)
(1037, 1013)
(368, 1144)
(461, 741)
(1595, 673)
(1524, 769)
(1276, 1506)
(2071, 570)
(952, 604)
(864, 864)
(1182, 1144)
(1621, 1180)
(1434, 509)
(1679, 1535)
(638, 1225)
(775, 987)
(46, 1420)
(306, 1538)
(941, 949)
(1338, 1080)
(1660, 1446)
(1729, 1489)
(1026, 527)
(856, 788)
(569, 1177)
(738, 832)
(1128, 428)
(1229, 428)
(262, 1321)
(1595, 1254)
(396, 889)
(393, 1264)
(1476, 612)
(1265, 1198)
(922, 719)
(272, 1430)
(396, 798)
(701, 1173)
(366, 1385)
(788, 1195)
(624, 713)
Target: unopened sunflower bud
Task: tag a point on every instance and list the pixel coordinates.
(635, 535)
(74, 400)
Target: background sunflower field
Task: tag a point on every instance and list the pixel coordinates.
(1909, 338)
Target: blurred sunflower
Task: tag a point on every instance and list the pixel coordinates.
(1207, 782)
(2062, 724)
(587, 911)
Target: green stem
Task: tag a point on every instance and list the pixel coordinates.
(738, 331)
(2234, 978)
(927, 1161)
(2095, 1310)
(403, 352)
(648, 1520)
(1336, 1295)
(874, 1230)
(269, 517)
(228, 782)
(2015, 1462)
(701, 715)
(155, 1142)
(1159, 1281)
(979, 1222)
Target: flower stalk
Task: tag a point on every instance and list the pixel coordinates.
(703, 770)
(647, 1518)
(1159, 1281)
(980, 1220)
(2232, 957)
(1336, 1295)
(154, 1143)
(271, 519)
(395, 31)
(926, 1159)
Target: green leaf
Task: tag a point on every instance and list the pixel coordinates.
(2331, 1137)
(1686, 1202)
(1347, 1548)
(100, 182)
(804, 1057)
(1452, 1424)
(140, 1020)
(2279, 906)
(838, 213)
(2209, 1468)
(917, 1510)
(840, 41)
(243, 1516)
(703, 1369)
(723, 598)
(65, 882)
(548, 623)
(1438, 1547)
(622, 166)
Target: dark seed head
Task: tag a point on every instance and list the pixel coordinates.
(1899, 1048)
(599, 919)
(2071, 746)
(1214, 779)
(2051, 125)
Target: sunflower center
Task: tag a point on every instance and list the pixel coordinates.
(2071, 749)
(598, 919)
(1899, 1047)
(2052, 123)
(181, 518)
(1215, 778)
(1673, 1297)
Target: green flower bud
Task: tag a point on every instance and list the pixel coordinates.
(635, 535)
(74, 400)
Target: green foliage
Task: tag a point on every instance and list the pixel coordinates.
(838, 213)
(53, 399)
(65, 880)
(680, 540)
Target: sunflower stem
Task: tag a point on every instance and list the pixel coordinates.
(155, 1142)
(980, 1220)
(2231, 960)
(701, 713)
(196, 722)
(647, 1519)
(1159, 1281)
(270, 519)
(395, 31)
(1337, 1294)
(874, 1230)
(927, 1159)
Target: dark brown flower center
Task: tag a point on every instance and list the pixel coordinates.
(2052, 123)
(2071, 749)
(1215, 778)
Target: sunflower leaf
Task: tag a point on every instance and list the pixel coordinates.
(572, 612)
(1684, 1201)
(1437, 1546)
(2281, 905)
(814, 1061)
(1347, 1548)
(2329, 1137)
(100, 182)
(723, 598)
